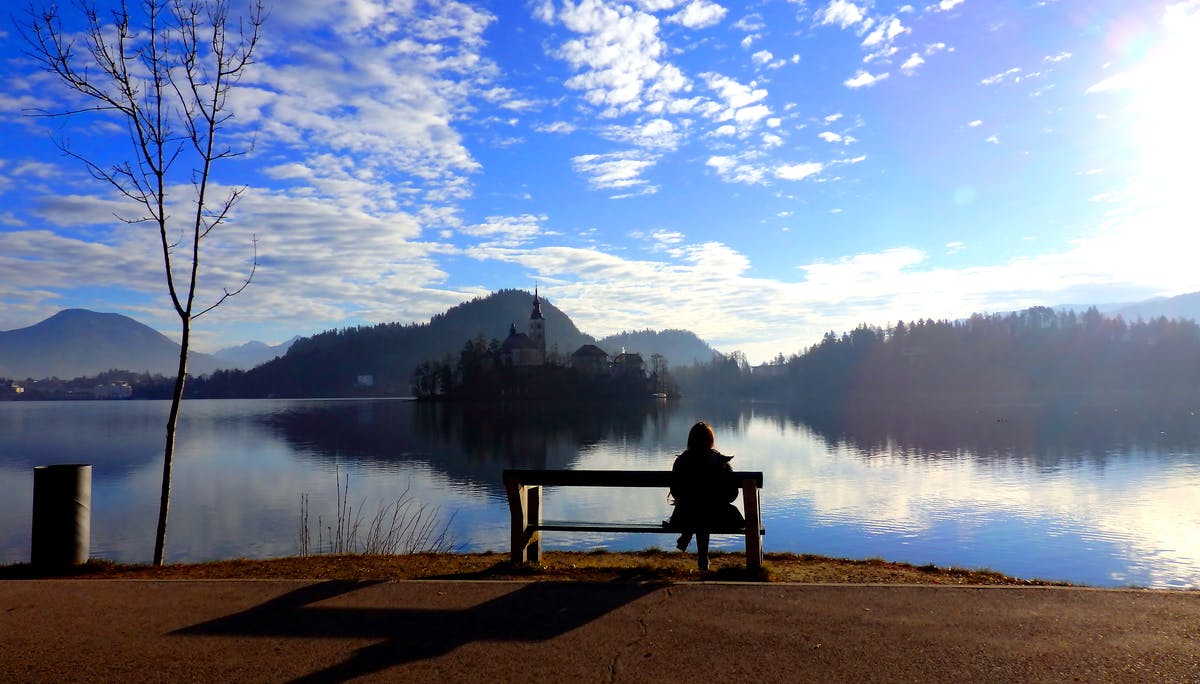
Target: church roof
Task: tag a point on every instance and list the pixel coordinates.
(518, 341)
(590, 350)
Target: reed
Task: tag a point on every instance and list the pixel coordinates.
(404, 526)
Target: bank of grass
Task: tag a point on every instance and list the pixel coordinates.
(652, 565)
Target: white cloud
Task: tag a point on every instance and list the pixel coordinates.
(655, 133)
(617, 171)
(741, 103)
(1012, 75)
(750, 23)
(863, 79)
(736, 170)
(910, 65)
(955, 247)
(1055, 59)
(833, 117)
(619, 58)
(795, 172)
(947, 5)
(829, 137)
(844, 14)
(885, 32)
(762, 57)
(555, 127)
(507, 230)
(699, 14)
(976, 123)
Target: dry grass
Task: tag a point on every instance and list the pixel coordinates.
(640, 566)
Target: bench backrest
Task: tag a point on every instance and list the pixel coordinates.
(607, 478)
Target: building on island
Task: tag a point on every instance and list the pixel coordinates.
(590, 359)
(527, 349)
(628, 364)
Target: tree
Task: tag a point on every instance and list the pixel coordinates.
(163, 74)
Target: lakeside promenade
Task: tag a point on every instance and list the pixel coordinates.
(500, 631)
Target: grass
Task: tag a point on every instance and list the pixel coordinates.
(404, 526)
(640, 566)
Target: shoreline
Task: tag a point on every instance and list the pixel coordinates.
(651, 565)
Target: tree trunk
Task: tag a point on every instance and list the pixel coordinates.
(164, 503)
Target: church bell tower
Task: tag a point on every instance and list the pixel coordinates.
(537, 327)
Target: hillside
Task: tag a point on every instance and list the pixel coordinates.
(380, 359)
(680, 347)
(76, 342)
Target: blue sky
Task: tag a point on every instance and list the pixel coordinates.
(756, 172)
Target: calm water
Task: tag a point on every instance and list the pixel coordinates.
(1099, 496)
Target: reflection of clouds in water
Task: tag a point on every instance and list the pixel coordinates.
(1134, 502)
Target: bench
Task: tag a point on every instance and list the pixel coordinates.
(524, 490)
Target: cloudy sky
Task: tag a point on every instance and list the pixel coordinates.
(756, 172)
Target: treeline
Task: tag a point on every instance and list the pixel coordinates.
(1034, 352)
(110, 384)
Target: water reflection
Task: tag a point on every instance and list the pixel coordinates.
(469, 442)
(1092, 495)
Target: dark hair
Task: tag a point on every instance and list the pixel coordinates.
(701, 437)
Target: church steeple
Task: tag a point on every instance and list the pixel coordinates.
(537, 326)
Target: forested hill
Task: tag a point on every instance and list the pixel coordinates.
(1033, 352)
(330, 363)
(679, 347)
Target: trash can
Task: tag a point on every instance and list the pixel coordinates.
(62, 515)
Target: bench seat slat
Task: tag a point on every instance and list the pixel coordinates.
(607, 478)
(630, 527)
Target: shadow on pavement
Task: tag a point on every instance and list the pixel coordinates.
(531, 612)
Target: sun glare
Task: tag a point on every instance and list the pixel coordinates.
(1167, 109)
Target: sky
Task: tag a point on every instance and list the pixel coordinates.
(759, 172)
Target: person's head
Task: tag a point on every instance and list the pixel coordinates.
(701, 437)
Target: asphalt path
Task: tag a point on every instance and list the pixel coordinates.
(440, 631)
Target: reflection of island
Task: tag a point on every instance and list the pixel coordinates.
(1049, 433)
(471, 442)
(520, 367)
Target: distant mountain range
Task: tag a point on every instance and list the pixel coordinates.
(78, 342)
(251, 354)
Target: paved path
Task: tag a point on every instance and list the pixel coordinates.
(277, 631)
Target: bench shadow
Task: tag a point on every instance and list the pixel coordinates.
(532, 612)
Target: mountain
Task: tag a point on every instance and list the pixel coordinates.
(679, 347)
(251, 354)
(1185, 306)
(381, 358)
(78, 342)
(1182, 306)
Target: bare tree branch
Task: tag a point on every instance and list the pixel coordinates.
(153, 72)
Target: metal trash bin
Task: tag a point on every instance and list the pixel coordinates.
(62, 515)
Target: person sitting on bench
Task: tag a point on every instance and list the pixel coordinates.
(702, 491)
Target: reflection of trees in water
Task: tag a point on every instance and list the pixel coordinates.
(471, 442)
(1049, 434)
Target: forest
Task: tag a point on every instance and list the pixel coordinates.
(1032, 353)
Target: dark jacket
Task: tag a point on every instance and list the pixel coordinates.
(702, 488)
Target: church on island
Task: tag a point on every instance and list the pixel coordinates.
(528, 349)
(522, 367)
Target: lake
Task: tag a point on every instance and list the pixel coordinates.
(1105, 496)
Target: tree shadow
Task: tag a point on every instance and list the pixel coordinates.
(534, 612)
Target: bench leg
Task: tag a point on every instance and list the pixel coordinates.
(754, 552)
(525, 510)
(702, 551)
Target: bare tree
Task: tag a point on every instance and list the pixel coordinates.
(164, 73)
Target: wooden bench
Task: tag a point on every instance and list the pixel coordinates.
(524, 489)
